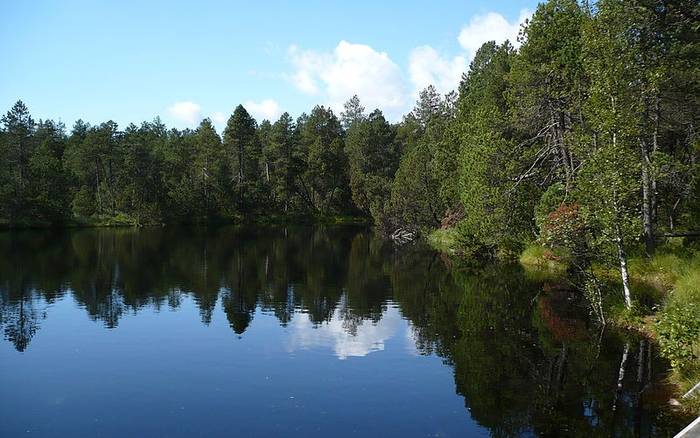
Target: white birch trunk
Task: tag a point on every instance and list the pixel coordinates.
(624, 273)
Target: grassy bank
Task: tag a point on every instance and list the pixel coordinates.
(541, 258)
(121, 220)
(118, 220)
(444, 240)
(677, 321)
(666, 293)
(666, 290)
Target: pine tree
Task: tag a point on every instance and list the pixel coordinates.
(240, 140)
(325, 178)
(373, 157)
(18, 144)
(285, 158)
(211, 172)
(50, 194)
(497, 207)
(353, 112)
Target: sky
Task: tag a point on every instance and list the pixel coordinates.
(130, 61)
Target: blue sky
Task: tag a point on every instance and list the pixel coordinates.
(130, 61)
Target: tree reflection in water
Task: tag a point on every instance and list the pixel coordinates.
(525, 357)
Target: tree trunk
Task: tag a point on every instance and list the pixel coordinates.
(205, 187)
(655, 147)
(563, 128)
(97, 188)
(673, 213)
(622, 257)
(557, 122)
(647, 210)
(240, 176)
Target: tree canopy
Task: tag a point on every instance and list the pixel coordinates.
(596, 112)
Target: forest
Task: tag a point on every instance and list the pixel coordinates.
(578, 148)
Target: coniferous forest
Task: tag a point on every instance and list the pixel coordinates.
(595, 115)
(593, 118)
(582, 141)
(576, 152)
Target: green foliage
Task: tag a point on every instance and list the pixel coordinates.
(139, 179)
(547, 76)
(284, 160)
(212, 173)
(49, 192)
(324, 180)
(608, 189)
(373, 157)
(497, 204)
(596, 108)
(678, 326)
(679, 331)
(181, 178)
(353, 112)
(83, 204)
(551, 199)
(444, 240)
(426, 188)
(540, 258)
(18, 129)
(244, 171)
(412, 196)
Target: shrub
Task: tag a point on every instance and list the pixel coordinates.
(552, 198)
(84, 203)
(565, 228)
(679, 329)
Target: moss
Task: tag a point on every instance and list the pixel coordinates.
(536, 257)
(118, 220)
(444, 240)
(342, 220)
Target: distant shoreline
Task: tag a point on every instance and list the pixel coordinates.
(121, 222)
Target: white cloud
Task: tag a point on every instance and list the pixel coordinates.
(350, 69)
(309, 65)
(427, 67)
(266, 109)
(360, 69)
(185, 112)
(365, 339)
(490, 27)
(218, 118)
(304, 81)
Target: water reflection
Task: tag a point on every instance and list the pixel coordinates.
(525, 360)
(345, 335)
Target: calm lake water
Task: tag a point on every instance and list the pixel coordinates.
(312, 331)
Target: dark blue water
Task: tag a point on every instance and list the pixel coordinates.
(300, 332)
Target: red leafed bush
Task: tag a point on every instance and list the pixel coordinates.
(565, 228)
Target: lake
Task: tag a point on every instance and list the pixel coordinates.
(302, 331)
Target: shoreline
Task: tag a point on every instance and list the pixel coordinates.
(667, 281)
(116, 222)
